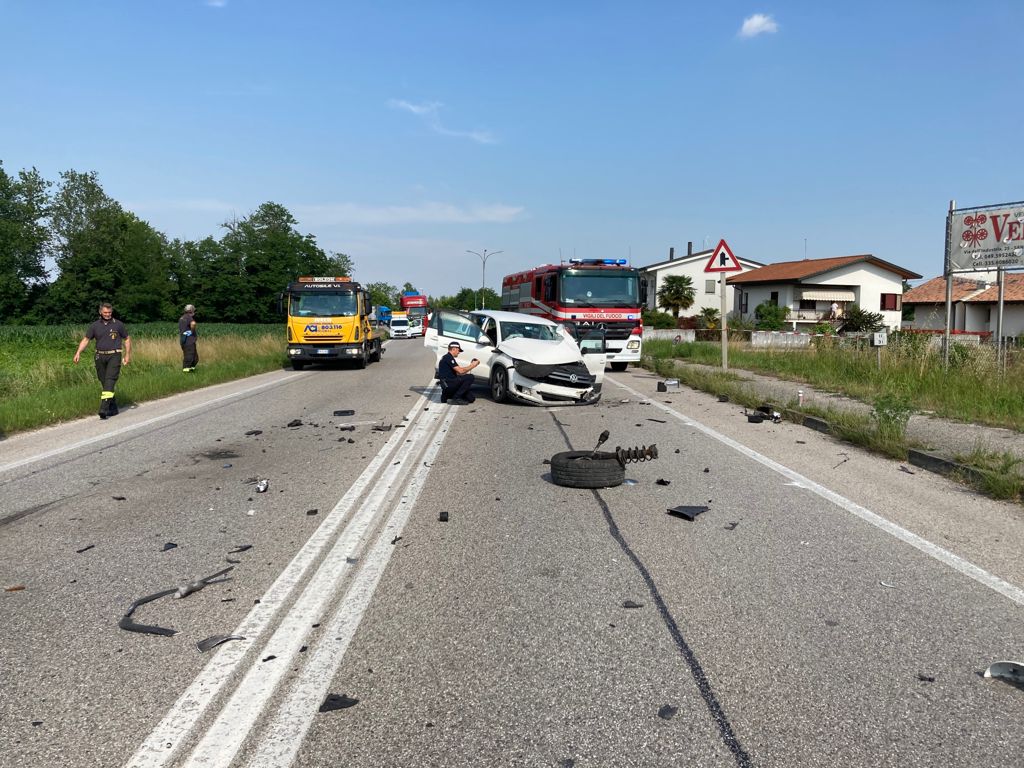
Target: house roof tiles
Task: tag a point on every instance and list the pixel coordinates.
(796, 271)
(934, 291)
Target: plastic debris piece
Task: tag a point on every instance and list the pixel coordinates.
(295, 423)
(14, 588)
(345, 412)
(271, 657)
(303, 649)
(662, 481)
(348, 428)
(232, 560)
(730, 526)
(226, 466)
(1010, 671)
(119, 498)
(907, 470)
(658, 421)
(668, 385)
(382, 428)
(262, 486)
(755, 418)
(687, 513)
(925, 678)
(85, 549)
(335, 701)
(443, 517)
(168, 546)
(887, 584)
(251, 512)
(629, 482)
(396, 539)
(215, 640)
(707, 469)
(667, 711)
(36, 723)
(311, 512)
(187, 589)
(240, 548)
(631, 604)
(723, 398)
(254, 432)
(127, 624)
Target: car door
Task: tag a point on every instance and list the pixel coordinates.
(592, 345)
(467, 330)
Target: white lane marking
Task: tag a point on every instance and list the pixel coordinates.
(161, 746)
(139, 425)
(944, 556)
(237, 718)
(281, 739)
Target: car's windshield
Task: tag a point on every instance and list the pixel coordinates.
(604, 288)
(324, 305)
(399, 322)
(516, 330)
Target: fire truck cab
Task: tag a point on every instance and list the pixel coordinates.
(585, 295)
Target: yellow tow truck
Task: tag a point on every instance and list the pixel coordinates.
(329, 320)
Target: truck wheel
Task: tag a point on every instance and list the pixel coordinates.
(499, 384)
(375, 355)
(296, 365)
(363, 358)
(586, 469)
(619, 367)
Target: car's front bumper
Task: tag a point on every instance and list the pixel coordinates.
(543, 393)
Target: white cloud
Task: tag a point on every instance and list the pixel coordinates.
(429, 213)
(758, 24)
(429, 114)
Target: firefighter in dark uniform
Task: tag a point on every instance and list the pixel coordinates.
(112, 342)
(187, 337)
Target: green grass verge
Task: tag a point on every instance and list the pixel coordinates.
(996, 474)
(40, 385)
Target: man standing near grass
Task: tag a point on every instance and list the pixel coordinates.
(187, 336)
(112, 342)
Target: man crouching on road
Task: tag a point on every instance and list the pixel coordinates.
(111, 340)
(456, 379)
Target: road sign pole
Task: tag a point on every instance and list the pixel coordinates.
(725, 330)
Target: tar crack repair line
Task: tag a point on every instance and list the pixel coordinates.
(696, 670)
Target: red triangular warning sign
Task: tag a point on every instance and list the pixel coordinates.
(722, 260)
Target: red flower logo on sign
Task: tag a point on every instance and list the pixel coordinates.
(975, 231)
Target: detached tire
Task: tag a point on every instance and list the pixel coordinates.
(585, 469)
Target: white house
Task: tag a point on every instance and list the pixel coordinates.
(975, 305)
(705, 284)
(810, 287)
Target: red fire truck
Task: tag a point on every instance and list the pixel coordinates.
(584, 295)
(415, 304)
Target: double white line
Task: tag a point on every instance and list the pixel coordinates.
(351, 569)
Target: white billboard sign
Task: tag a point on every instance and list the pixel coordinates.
(984, 240)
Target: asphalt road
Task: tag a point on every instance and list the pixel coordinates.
(828, 609)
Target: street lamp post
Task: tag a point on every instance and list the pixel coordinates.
(483, 270)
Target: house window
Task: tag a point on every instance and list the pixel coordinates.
(891, 302)
(743, 303)
(709, 286)
(808, 304)
(774, 299)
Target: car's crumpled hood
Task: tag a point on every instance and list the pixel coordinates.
(542, 352)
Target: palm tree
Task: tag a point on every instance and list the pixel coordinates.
(676, 294)
(709, 317)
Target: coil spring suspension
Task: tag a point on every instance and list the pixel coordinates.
(639, 453)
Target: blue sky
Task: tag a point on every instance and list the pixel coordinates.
(405, 133)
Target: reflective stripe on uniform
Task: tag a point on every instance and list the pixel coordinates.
(104, 395)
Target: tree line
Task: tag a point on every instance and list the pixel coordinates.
(102, 252)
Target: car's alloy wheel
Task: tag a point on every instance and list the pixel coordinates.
(499, 384)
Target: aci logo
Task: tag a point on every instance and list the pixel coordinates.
(311, 328)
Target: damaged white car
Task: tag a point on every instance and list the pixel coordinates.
(522, 357)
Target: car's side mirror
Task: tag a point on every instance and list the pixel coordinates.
(483, 338)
